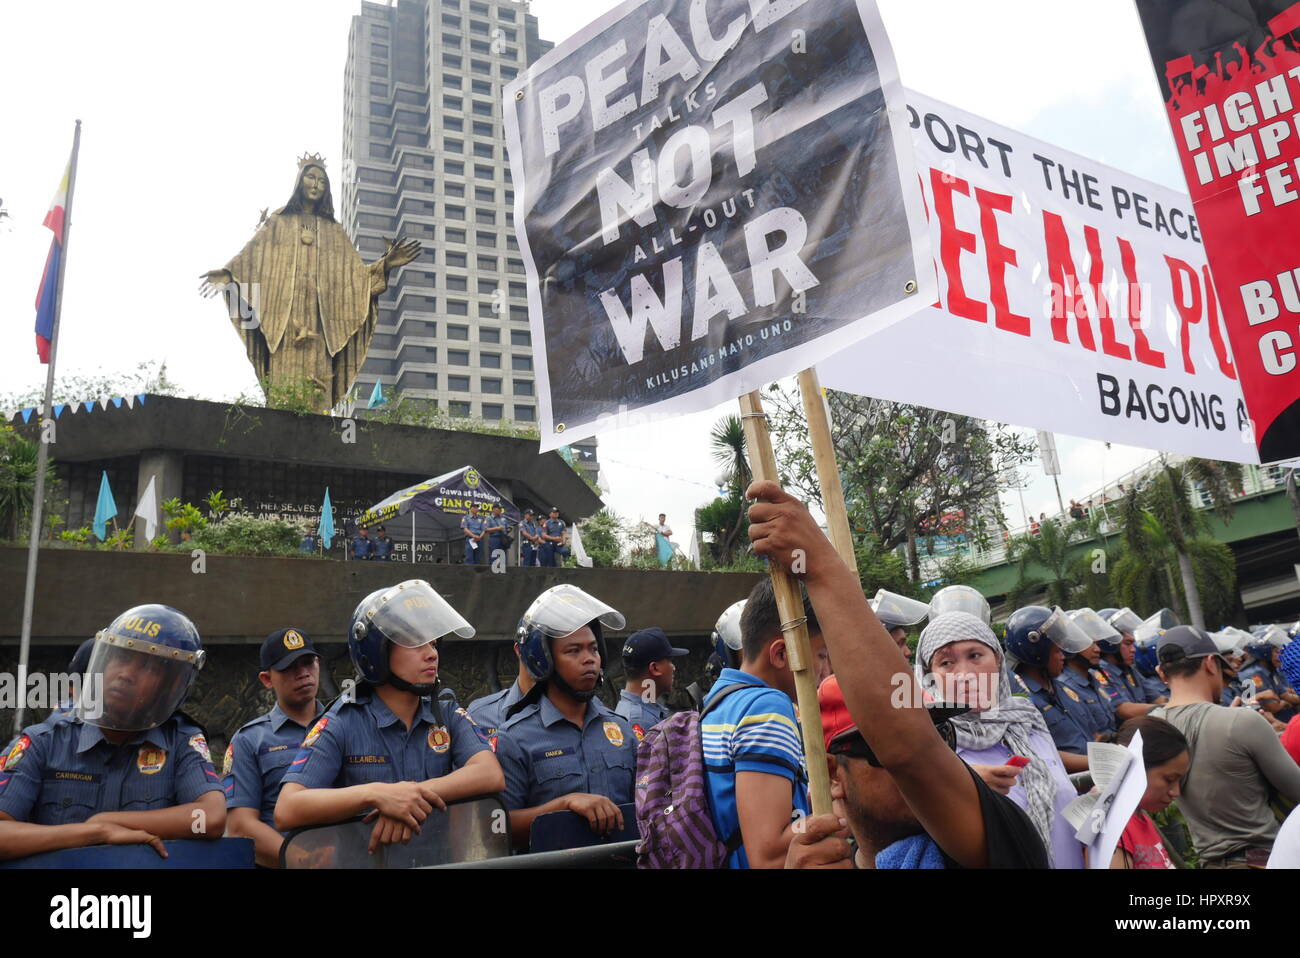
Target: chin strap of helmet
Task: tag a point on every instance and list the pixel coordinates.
(569, 690)
(419, 688)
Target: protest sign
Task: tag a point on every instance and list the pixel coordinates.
(1075, 299)
(1231, 87)
(710, 195)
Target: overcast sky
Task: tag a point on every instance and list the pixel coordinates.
(194, 114)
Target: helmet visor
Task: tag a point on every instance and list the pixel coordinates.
(1225, 641)
(898, 611)
(133, 685)
(1126, 620)
(565, 609)
(1150, 629)
(728, 627)
(412, 614)
(1064, 632)
(1274, 636)
(1094, 626)
(959, 598)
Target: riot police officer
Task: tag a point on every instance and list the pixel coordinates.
(128, 767)
(260, 752)
(1128, 693)
(489, 711)
(552, 539)
(897, 613)
(1039, 639)
(726, 645)
(473, 525)
(559, 746)
(648, 665)
(531, 538)
(1082, 676)
(1271, 690)
(389, 750)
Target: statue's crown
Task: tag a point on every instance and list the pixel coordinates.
(310, 159)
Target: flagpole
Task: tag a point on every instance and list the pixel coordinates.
(43, 452)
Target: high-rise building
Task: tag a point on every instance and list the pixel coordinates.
(424, 156)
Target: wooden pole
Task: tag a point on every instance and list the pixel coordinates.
(789, 603)
(828, 472)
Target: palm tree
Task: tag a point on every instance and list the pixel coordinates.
(1164, 532)
(17, 480)
(1050, 550)
(727, 441)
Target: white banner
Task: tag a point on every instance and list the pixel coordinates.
(1074, 298)
(710, 195)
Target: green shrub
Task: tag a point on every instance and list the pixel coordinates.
(249, 535)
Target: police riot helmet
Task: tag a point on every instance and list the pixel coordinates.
(1144, 657)
(898, 611)
(410, 614)
(1098, 629)
(559, 611)
(1033, 630)
(726, 641)
(1264, 640)
(140, 670)
(960, 598)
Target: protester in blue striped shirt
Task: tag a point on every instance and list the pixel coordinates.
(753, 751)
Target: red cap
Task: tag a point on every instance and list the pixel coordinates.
(835, 714)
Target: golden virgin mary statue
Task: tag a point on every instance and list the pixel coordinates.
(300, 296)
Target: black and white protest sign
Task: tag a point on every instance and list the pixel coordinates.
(710, 195)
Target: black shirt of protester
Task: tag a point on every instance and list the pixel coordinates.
(1012, 839)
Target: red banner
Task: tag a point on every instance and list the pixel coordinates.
(1231, 84)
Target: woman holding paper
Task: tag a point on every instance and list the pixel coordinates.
(1165, 755)
(1003, 738)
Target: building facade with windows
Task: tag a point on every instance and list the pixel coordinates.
(424, 156)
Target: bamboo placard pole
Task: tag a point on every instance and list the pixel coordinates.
(828, 473)
(789, 603)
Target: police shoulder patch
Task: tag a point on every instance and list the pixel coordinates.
(1258, 680)
(314, 734)
(16, 753)
(640, 732)
(200, 745)
(228, 765)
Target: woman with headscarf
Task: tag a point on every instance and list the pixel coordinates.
(959, 660)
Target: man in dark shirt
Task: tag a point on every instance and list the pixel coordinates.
(957, 819)
(382, 548)
(885, 830)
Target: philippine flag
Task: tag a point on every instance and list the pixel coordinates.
(55, 220)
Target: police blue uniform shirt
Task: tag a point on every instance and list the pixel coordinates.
(1265, 680)
(489, 712)
(529, 528)
(63, 771)
(382, 549)
(473, 525)
(544, 755)
(639, 713)
(1098, 712)
(1067, 723)
(1153, 687)
(1124, 684)
(257, 758)
(496, 540)
(362, 741)
(362, 548)
(549, 550)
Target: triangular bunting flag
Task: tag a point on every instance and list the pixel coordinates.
(27, 414)
(130, 402)
(140, 398)
(58, 409)
(117, 401)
